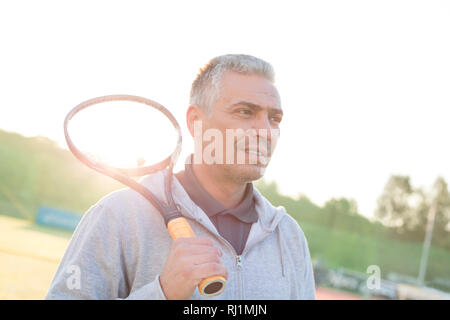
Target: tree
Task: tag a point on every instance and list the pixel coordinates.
(406, 209)
(441, 231)
(341, 208)
(396, 205)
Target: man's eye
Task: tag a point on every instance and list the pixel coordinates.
(245, 111)
(276, 119)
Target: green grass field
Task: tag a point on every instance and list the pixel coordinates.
(29, 257)
(357, 251)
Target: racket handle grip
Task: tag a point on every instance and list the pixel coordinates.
(180, 228)
(209, 287)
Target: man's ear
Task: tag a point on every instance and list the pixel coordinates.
(194, 113)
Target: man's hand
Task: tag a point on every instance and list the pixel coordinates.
(190, 260)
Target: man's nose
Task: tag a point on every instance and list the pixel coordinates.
(262, 124)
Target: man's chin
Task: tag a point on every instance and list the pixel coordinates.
(246, 172)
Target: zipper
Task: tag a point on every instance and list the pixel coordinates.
(240, 281)
(238, 260)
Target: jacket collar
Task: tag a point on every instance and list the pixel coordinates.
(268, 216)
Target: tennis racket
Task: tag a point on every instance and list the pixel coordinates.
(124, 136)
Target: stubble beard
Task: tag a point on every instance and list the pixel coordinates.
(243, 173)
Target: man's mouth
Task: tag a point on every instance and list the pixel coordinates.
(256, 155)
(256, 152)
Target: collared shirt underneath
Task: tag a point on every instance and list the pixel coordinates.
(232, 224)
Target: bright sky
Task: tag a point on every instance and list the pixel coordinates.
(365, 85)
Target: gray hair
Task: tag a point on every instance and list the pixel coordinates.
(206, 86)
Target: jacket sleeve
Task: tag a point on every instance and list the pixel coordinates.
(94, 267)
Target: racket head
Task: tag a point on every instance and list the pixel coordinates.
(139, 114)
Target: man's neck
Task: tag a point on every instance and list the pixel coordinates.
(226, 192)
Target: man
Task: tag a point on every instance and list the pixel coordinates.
(121, 249)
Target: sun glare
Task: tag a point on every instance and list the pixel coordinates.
(123, 134)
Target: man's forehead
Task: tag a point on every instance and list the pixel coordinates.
(250, 88)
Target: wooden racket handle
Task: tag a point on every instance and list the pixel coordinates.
(209, 287)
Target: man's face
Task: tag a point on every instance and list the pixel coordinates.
(250, 103)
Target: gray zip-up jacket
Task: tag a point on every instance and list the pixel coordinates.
(120, 246)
